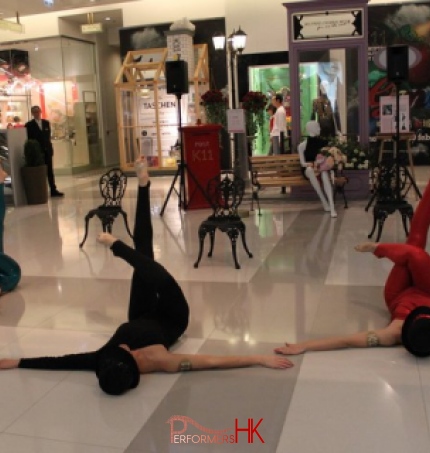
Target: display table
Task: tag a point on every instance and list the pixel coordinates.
(202, 159)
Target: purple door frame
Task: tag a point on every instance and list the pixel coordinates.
(358, 43)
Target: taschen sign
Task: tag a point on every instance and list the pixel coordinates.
(87, 29)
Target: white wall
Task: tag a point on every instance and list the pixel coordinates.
(162, 11)
(263, 20)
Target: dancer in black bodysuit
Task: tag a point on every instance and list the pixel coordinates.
(158, 316)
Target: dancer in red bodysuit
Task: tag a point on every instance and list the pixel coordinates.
(407, 295)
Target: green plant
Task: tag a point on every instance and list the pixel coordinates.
(215, 105)
(254, 104)
(33, 155)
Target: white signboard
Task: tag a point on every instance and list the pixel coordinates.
(388, 114)
(236, 121)
(327, 25)
(168, 123)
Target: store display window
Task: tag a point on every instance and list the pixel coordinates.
(58, 74)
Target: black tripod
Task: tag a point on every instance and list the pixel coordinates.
(392, 179)
(180, 172)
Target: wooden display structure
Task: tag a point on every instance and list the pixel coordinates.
(135, 76)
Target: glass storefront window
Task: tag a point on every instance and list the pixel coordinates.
(328, 92)
(59, 75)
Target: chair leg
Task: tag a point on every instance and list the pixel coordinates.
(257, 199)
(212, 238)
(242, 230)
(202, 235)
(233, 234)
(124, 216)
(87, 221)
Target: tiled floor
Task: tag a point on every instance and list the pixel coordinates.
(304, 281)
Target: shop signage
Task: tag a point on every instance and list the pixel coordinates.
(325, 25)
(236, 121)
(11, 26)
(92, 28)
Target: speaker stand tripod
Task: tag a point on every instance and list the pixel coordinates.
(391, 181)
(180, 172)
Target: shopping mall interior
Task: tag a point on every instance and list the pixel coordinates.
(304, 280)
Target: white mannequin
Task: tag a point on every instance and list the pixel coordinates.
(313, 129)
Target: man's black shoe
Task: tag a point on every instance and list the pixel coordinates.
(57, 194)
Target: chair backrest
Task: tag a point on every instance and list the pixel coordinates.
(225, 193)
(112, 187)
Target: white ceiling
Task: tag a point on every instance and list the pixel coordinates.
(9, 8)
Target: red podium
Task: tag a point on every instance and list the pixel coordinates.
(202, 157)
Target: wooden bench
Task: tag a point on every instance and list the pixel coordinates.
(283, 170)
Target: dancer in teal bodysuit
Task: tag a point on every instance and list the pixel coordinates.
(10, 272)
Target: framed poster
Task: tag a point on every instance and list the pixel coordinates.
(388, 114)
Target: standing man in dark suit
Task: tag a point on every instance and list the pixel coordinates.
(40, 130)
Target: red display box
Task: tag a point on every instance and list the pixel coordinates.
(202, 156)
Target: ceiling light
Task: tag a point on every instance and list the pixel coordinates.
(107, 18)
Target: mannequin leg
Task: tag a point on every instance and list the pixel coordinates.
(328, 189)
(310, 174)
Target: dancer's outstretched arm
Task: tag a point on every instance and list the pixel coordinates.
(158, 358)
(173, 362)
(388, 336)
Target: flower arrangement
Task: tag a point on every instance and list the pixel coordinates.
(357, 155)
(254, 104)
(215, 104)
(330, 157)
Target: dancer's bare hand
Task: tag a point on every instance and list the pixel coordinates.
(8, 364)
(273, 361)
(290, 349)
(366, 247)
(106, 239)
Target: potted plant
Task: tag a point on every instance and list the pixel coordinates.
(254, 104)
(34, 173)
(214, 103)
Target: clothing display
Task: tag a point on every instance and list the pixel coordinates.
(326, 115)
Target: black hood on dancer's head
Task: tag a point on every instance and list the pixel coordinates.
(416, 332)
(117, 371)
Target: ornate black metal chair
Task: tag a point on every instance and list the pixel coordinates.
(390, 190)
(112, 188)
(225, 194)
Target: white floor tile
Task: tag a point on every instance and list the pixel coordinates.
(357, 401)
